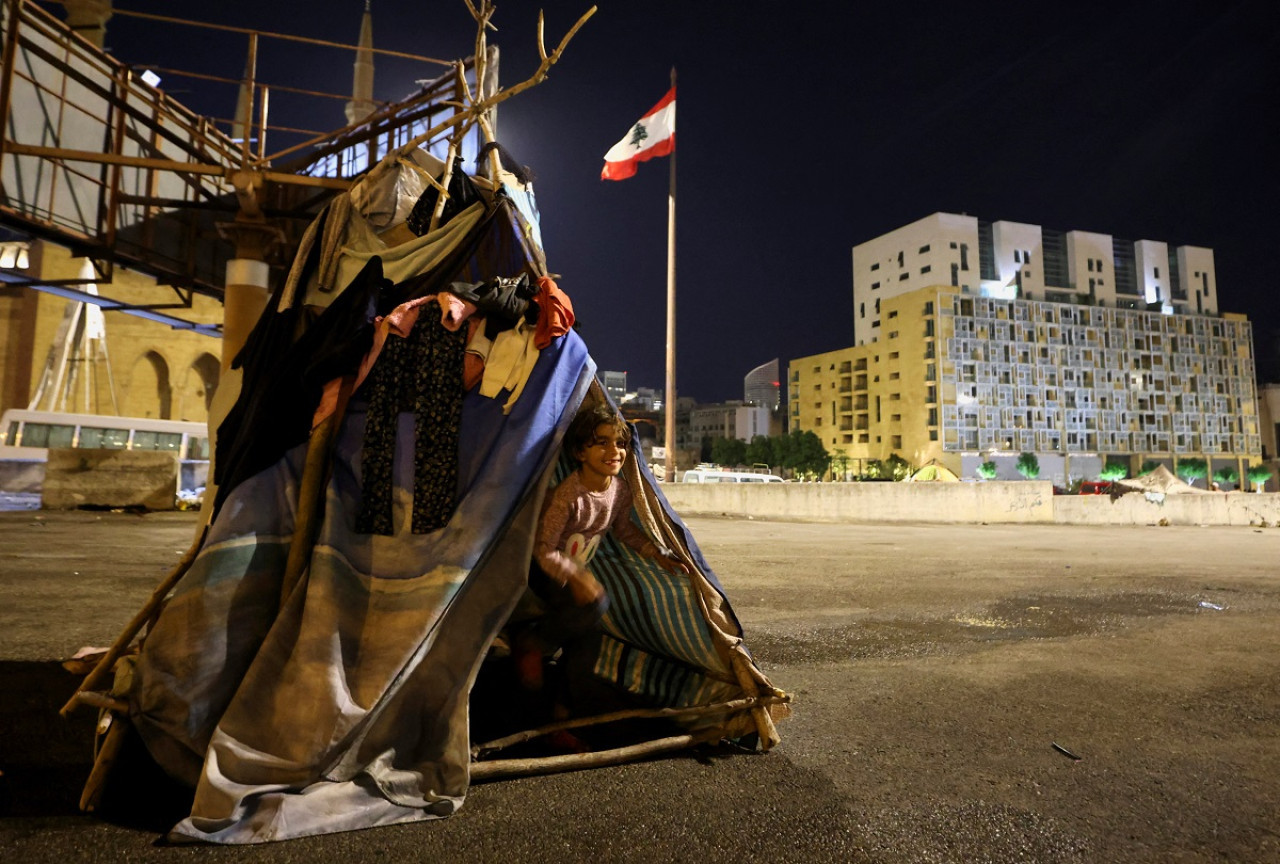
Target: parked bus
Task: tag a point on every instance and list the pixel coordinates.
(717, 475)
(28, 435)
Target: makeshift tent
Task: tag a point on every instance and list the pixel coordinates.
(378, 493)
(1160, 481)
(934, 473)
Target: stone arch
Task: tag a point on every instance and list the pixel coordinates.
(195, 391)
(150, 391)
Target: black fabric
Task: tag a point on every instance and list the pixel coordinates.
(523, 173)
(287, 360)
(501, 302)
(421, 373)
(462, 194)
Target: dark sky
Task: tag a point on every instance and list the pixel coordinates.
(808, 127)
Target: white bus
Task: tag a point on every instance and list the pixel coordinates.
(28, 435)
(717, 475)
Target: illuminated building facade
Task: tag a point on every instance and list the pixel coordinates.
(1015, 260)
(762, 386)
(963, 378)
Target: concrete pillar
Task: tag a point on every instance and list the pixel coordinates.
(89, 18)
(244, 299)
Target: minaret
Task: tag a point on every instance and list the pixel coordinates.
(89, 18)
(361, 104)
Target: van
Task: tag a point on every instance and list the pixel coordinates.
(715, 475)
(27, 436)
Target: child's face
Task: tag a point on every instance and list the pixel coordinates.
(604, 455)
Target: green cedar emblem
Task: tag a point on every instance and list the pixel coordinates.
(638, 134)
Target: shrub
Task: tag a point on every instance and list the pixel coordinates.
(987, 470)
(1113, 471)
(1028, 466)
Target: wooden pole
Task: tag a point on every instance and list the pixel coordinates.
(669, 474)
(102, 765)
(498, 768)
(732, 707)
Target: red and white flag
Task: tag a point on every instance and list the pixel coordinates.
(653, 135)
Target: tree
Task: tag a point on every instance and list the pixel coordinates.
(1192, 470)
(840, 463)
(1113, 471)
(728, 451)
(761, 449)
(1028, 466)
(987, 470)
(1147, 467)
(1258, 475)
(806, 453)
(1226, 475)
(897, 467)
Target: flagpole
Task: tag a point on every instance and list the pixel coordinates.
(670, 466)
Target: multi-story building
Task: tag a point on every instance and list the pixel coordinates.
(1014, 260)
(762, 385)
(978, 369)
(728, 420)
(615, 384)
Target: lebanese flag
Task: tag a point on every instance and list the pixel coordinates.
(653, 135)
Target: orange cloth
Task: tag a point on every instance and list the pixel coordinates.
(555, 313)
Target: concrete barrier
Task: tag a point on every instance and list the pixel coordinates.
(76, 477)
(959, 503)
(991, 502)
(1133, 508)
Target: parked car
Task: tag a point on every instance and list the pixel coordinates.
(1096, 487)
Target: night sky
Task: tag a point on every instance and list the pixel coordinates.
(808, 127)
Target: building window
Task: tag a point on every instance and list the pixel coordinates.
(926, 268)
(877, 305)
(931, 394)
(1017, 257)
(895, 418)
(896, 442)
(1090, 265)
(933, 416)
(1157, 271)
(928, 308)
(862, 310)
(895, 397)
(893, 334)
(875, 266)
(893, 376)
(899, 259)
(903, 276)
(893, 313)
(1026, 257)
(933, 434)
(875, 285)
(924, 248)
(893, 355)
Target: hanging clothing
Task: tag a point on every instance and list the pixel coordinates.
(422, 374)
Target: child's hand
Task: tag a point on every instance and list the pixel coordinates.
(584, 588)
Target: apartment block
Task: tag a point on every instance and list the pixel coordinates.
(1014, 260)
(962, 378)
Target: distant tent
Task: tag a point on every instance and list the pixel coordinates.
(934, 473)
(1160, 481)
(405, 509)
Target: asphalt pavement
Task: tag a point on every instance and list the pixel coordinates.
(962, 693)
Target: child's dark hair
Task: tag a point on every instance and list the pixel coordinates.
(582, 431)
